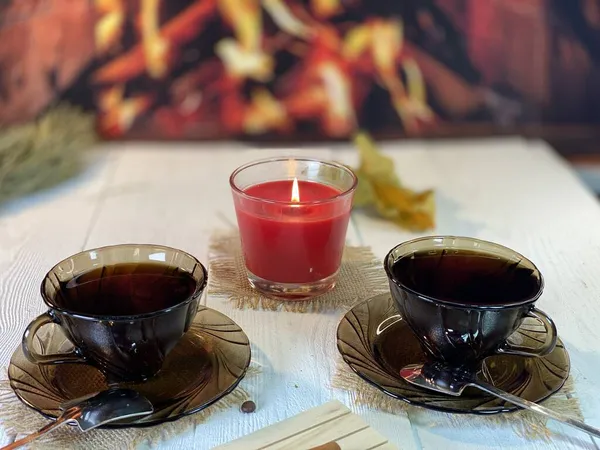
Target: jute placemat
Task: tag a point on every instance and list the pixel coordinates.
(19, 420)
(361, 276)
(524, 423)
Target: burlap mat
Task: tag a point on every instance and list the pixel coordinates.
(19, 420)
(361, 276)
(524, 423)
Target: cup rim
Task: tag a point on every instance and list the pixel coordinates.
(131, 317)
(257, 162)
(527, 301)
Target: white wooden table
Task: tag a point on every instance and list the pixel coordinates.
(510, 191)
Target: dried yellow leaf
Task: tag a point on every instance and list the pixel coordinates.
(412, 210)
(364, 194)
(380, 187)
(373, 164)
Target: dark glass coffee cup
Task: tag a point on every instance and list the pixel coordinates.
(123, 307)
(464, 297)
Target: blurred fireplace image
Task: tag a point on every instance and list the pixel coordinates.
(302, 69)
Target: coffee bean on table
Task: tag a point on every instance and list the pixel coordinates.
(248, 406)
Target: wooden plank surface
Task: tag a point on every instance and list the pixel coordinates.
(324, 426)
(515, 192)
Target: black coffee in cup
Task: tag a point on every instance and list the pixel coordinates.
(125, 289)
(466, 276)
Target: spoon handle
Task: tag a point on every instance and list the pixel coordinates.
(69, 414)
(526, 404)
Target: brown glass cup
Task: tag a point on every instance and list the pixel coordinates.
(123, 347)
(459, 333)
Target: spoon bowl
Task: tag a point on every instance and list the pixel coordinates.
(108, 406)
(95, 410)
(439, 377)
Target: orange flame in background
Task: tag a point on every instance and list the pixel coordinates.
(285, 19)
(387, 43)
(356, 42)
(155, 46)
(245, 20)
(339, 115)
(295, 191)
(241, 64)
(383, 42)
(324, 9)
(109, 27)
(177, 31)
(116, 114)
(264, 113)
(243, 57)
(327, 86)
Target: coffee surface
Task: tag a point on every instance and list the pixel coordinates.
(126, 289)
(466, 276)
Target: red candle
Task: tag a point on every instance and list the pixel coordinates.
(299, 243)
(293, 229)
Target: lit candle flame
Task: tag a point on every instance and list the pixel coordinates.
(295, 191)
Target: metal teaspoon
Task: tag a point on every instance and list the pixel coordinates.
(91, 412)
(452, 381)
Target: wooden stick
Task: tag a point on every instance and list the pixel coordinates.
(328, 446)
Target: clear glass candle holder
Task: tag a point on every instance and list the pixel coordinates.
(293, 215)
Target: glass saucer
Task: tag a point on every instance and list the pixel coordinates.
(376, 343)
(208, 363)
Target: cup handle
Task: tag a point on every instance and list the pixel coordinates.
(544, 349)
(74, 356)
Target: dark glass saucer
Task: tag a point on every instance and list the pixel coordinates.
(208, 363)
(376, 343)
